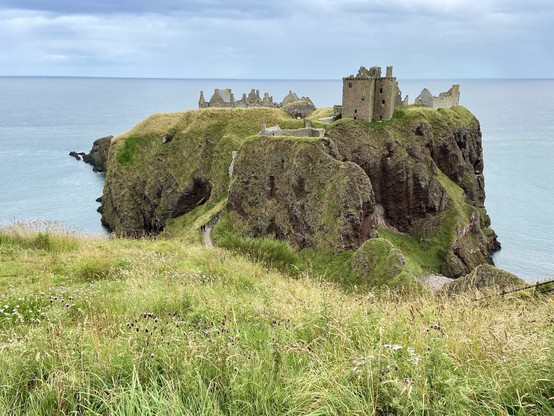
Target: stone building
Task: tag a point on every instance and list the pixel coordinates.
(446, 99)
(368, 95)
(226, 99)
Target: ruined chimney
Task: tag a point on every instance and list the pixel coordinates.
(389, 71)
(202, 100)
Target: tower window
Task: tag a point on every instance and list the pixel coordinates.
(354, 117)
(363, 97)
(355, 111)
(383, 101)
(349, 85)
(381, 90)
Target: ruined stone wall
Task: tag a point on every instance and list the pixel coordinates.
(446, 99)
(358, 94)
(302, 132)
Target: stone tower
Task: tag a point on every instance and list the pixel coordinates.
(202, 101)
(386, 91)
(368, 95)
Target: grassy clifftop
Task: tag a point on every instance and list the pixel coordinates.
(168, 163)
(415, 180)
(142, 327)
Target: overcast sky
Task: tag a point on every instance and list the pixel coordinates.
(298, 39)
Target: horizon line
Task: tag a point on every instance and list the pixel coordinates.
(261, 79)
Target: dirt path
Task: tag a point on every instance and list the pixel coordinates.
(206, 235)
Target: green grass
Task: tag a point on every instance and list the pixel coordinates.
(164, 327)
(127, 154)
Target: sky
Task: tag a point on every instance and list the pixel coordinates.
(277, 39)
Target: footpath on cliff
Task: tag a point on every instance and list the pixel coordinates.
(207, 229)
(206, 236)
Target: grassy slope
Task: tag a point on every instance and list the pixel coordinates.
(213, 133)
(425, 251)
(163, 327)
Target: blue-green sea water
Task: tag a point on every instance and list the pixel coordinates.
(42, 119)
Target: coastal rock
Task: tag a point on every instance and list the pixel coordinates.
(75, 155)
(98, 155)
(151, 179)
(484, 278)
(328, 193)
(404, 160)
(295, 190)
(379, 263)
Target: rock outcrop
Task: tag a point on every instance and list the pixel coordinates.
(414, 163)
(152, 178)
(296, 190)
(415, 180)
(382, 263)
(484, 278)
(98, 155)
(300, 108)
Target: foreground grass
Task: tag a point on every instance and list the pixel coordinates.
(160, 327)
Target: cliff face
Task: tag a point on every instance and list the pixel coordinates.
(404, 159)
(171, 163)
(415, 180)
(296, 190)
(414, 163)
(98, 156)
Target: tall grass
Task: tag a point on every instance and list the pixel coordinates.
(170, 328)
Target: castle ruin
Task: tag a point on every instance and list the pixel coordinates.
(446, 99)
(225, 99)
(370, 96)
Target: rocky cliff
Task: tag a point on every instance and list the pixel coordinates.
(415, 180)
(169, 164)
(98, 156)
(297, 190)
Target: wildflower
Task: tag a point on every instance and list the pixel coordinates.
(407, 380)
(235, 369)
(412, 356)
(71, 298)
(128, 324)
(152, 355)
(156, 320)
(394, 347)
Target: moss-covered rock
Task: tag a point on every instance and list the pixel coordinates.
(379, 263)
(484, 278)
(169, 164)
(425, 168)
(294, 189)
(418, 175)
(300, 108)
(98, 156)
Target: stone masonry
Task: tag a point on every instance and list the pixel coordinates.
(446, 99)
(370, 96)
(224, 98)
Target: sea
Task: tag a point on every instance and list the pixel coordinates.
(42, 119)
